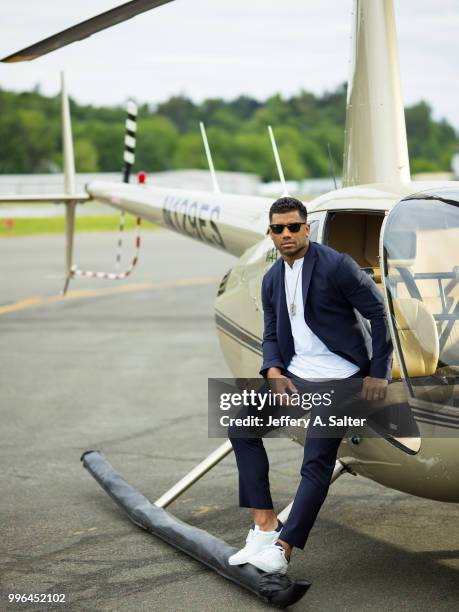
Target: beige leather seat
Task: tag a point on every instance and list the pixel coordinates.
(449, 344)
(450, 352)
(418, 335)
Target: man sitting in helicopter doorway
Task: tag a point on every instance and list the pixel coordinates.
(311, 332)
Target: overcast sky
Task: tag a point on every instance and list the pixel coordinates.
(224, 48)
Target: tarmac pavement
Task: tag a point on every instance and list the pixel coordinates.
(125, 371)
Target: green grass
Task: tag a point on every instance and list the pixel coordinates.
(56, 225)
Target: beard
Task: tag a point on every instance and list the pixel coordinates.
(291, 250)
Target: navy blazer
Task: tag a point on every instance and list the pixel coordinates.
(335, 291)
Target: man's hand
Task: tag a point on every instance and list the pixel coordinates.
(280, 383)
(374, 388)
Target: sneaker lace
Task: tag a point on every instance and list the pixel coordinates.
(267, 550)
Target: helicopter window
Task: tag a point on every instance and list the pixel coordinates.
(357, 234)
(421, 267)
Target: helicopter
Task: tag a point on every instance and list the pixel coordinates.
(404, 234)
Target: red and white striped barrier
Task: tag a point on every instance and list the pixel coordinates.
(129, 158)
(76, 272)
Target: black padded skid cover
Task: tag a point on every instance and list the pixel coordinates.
(276, 589)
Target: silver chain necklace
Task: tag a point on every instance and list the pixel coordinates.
(292, 307)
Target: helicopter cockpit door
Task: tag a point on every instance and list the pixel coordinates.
(420, 275)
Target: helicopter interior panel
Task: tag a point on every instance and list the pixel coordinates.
(357, 233)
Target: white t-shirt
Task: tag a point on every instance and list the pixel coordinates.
(312, 359)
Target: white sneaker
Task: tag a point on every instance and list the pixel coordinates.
(270, 559)
(255, 541)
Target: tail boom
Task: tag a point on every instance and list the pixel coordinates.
(229, 222)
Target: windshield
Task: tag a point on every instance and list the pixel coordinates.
(421, 272)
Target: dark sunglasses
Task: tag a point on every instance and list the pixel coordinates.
(278, 228)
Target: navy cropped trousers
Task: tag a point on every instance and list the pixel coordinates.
(316, 470)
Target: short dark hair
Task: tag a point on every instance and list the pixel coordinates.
(288, 204)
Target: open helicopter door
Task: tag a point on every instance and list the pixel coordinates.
(420, 275)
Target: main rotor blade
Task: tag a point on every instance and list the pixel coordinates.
(84, 29)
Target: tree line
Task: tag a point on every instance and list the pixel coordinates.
(169, 137)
